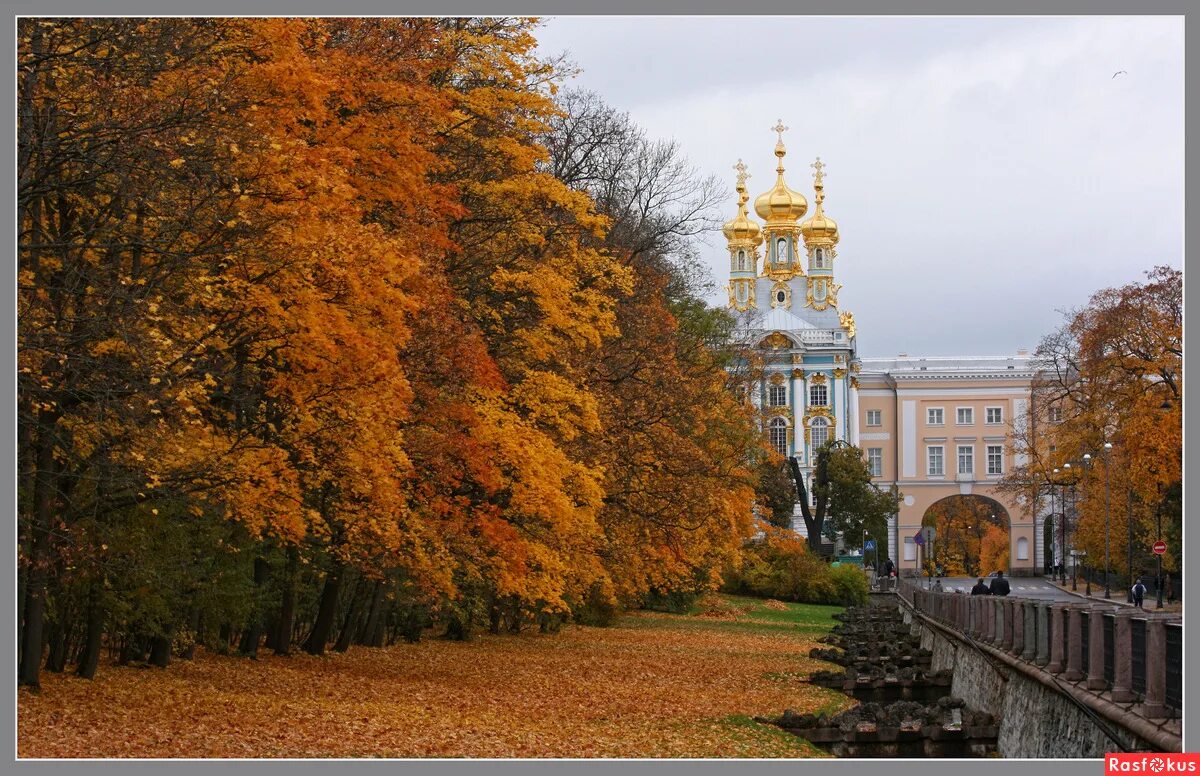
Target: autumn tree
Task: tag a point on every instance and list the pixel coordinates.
(1111, 374)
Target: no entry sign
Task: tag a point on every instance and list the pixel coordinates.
(1160, 548)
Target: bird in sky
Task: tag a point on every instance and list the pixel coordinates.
(1119, 72)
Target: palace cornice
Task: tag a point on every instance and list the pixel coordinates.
(930, 376)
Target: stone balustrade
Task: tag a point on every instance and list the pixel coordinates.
(1123, 655)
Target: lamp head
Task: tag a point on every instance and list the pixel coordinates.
(1087, 457)
(1107, 446)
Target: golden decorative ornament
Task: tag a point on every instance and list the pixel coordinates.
(777, 340)
(818, 379)
(856, 367)
(798, 374)
(777, 379)
(839, 374)
(787, 295)
(847, 321)
(853, 381)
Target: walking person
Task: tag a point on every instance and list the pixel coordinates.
(1139, 592)
(1000, 584)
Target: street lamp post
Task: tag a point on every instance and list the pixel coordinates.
(1158, 574)
(1087, 460)
(1107, 518)
(1129, 549)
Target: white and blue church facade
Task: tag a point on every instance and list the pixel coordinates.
(933, 427)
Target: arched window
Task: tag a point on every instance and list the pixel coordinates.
(820, 431)
(741, 261)
(1022, 549)
(781, 251)
(777, 395)
(819, 259)
(818, 395)
(779, 439)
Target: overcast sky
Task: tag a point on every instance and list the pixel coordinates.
(985, 173)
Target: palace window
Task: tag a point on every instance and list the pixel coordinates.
(875, 461)
(777, 395)
(1022, 548)
(966, 416)
(1055, 415)
(819, 259)
(934, 416)
(741, 261)
(781, 251)
(779, 439)
(874, 417)
(937, 467)
(966, 459)
(995, 459)
(818, 395)
(910, 548)
(820, 432)
(995, 415)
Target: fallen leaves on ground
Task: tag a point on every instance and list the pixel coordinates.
(667, 690)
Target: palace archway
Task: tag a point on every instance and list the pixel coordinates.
(972, 536)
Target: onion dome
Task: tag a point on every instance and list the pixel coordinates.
(820, 228)
(741, 228)
(780, 204)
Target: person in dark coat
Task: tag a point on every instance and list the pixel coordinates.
(999, 584)
(1139, 592)
(980, 588)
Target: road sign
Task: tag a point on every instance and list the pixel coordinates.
(869, 545)
(919, 538)
(1160, 547)
(930, 533)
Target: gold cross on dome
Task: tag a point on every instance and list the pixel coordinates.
(780, 128)
(742, 175)
(819, 166)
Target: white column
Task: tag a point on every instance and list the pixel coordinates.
(853, 415)
(837, 389)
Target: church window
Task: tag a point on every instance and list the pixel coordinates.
(777, 395)
(781, 296)
(779, 435)
(819, 259)
(820, 432)
(741, 261)
(781, 251)
(818, 395)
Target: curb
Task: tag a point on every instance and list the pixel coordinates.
(1097, 599)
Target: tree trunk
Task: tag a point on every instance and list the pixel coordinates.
(39, 554)
(352, 618)
(58, 637)
(366, 636)
(326, 613)
(253, 633)
(194, 631)
(160, 651)
(287, 607)
(89, 658)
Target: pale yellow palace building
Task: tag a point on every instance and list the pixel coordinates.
(934, 427)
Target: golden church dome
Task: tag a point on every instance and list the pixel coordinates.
(780, 203)
(820, 228)
(741, 227)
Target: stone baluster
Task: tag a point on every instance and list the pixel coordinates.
(1042, 613)
(1029, 610)
(1074, 645)
(1016, 612)
(1122, 689)
(1154, 705)
(1058, 660)
(1095, 666)
(997, 622)
(1006, 638)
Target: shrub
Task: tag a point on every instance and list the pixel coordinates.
(780, 565)
(850, 584)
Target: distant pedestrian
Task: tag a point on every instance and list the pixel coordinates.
(1139, 593)
(980, 588)
(889, 568)
(999, 585)
(937, 585)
